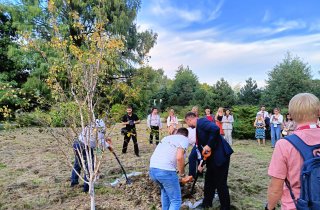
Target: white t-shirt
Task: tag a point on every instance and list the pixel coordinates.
(192, 136)
(165, 155)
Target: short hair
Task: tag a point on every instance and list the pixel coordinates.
(183, 131)
(190, 114)
(207, 108)
(304, 107)
(129, 107)
(153, 108)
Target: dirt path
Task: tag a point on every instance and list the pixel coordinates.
(32, 175)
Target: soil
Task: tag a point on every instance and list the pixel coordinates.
(34, 175)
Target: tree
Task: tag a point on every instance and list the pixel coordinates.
(86, 56)
(288, 78)
(223, 95)
(249, 94)
(183, 88)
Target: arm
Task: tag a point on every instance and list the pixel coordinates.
(176, 120)
(137, 121)
(180, 160)
(124, 121)
(160, 123)
(254, 124)
(231, 119)
(224, 119)
(280, 120)
(274, 192)
(148, 121)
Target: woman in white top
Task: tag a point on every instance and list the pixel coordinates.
(172, 122)
(276, 121)
(227, 121)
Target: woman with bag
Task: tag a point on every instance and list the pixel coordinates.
(288, 126)
(276, 121)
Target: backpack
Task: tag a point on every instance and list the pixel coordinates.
(309, 177)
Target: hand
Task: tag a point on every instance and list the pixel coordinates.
(108, 140)
(200, 168)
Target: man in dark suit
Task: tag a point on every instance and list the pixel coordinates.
(210, 140)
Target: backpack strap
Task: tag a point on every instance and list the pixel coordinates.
(305, 150)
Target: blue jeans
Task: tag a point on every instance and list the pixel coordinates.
(77, 164)
(170, 188)
(275, 134)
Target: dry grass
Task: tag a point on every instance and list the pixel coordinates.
(33, 175)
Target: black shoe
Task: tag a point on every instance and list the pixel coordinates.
(73, 184)
(137, 155)
(85, 189)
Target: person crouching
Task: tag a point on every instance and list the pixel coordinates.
(167, 158)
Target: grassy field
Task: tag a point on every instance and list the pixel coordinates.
(33, 175)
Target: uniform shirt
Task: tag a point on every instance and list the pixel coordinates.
(286, 162)
(154, 120)
(165, 155)
(130, 119)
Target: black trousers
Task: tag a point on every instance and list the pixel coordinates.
(154, 131)
(216, 179)
(133, 135)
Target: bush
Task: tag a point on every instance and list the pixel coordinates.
(117, 112)
(244, 117)
(66, 114)
(35, 118)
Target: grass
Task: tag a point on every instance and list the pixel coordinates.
(33, 175)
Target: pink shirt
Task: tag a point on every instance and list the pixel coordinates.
(286, 162)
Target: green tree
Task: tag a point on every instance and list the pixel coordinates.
(249, 94)
(183, 87)
(288, 78)
(223, 95)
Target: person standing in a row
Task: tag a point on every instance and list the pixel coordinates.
(218, 119)
(172, 122)
(289, 125)
(130, 120)
(260, 126)
(276, 121)
(227, 121)
(154, 124)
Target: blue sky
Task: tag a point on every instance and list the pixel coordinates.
(231, 38)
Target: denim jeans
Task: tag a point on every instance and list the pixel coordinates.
(170, 188)
(77, 164)
(275, 134)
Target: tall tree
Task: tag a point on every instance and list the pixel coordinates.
(223, 94)
(184, 87)
(250, 93)
(286, 79)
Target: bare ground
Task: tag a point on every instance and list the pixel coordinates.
(33, 175)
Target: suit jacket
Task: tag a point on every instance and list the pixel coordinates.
(208, 133)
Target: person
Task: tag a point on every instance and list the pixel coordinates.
(265, 115)
(172, 122)
(193, 158)
(85, 144)
(260, 126)
(227, 121)
(289, 125)
(209, 141)
(208, 115)
(286, 162)
(276, 121)
(195, 110)
(165, 162)
(130, 120)
(154, 124)
(218, 119)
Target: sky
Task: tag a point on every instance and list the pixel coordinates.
(233, 39)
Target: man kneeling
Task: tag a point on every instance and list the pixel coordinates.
(167, 158)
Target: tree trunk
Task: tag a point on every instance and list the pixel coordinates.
(92, 198)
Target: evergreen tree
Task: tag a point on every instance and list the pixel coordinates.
(250, 93)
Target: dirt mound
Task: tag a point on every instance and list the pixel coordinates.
(143, 191)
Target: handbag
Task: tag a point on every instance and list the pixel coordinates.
(124, 131)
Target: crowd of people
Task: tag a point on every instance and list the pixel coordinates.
(209, 138)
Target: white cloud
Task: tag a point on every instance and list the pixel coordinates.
(266, 16)
(235, 61)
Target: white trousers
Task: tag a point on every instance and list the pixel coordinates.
(228, 135)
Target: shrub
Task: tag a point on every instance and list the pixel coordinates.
(65, 114)
(117, 112)
(244, 116)
(35, 118)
